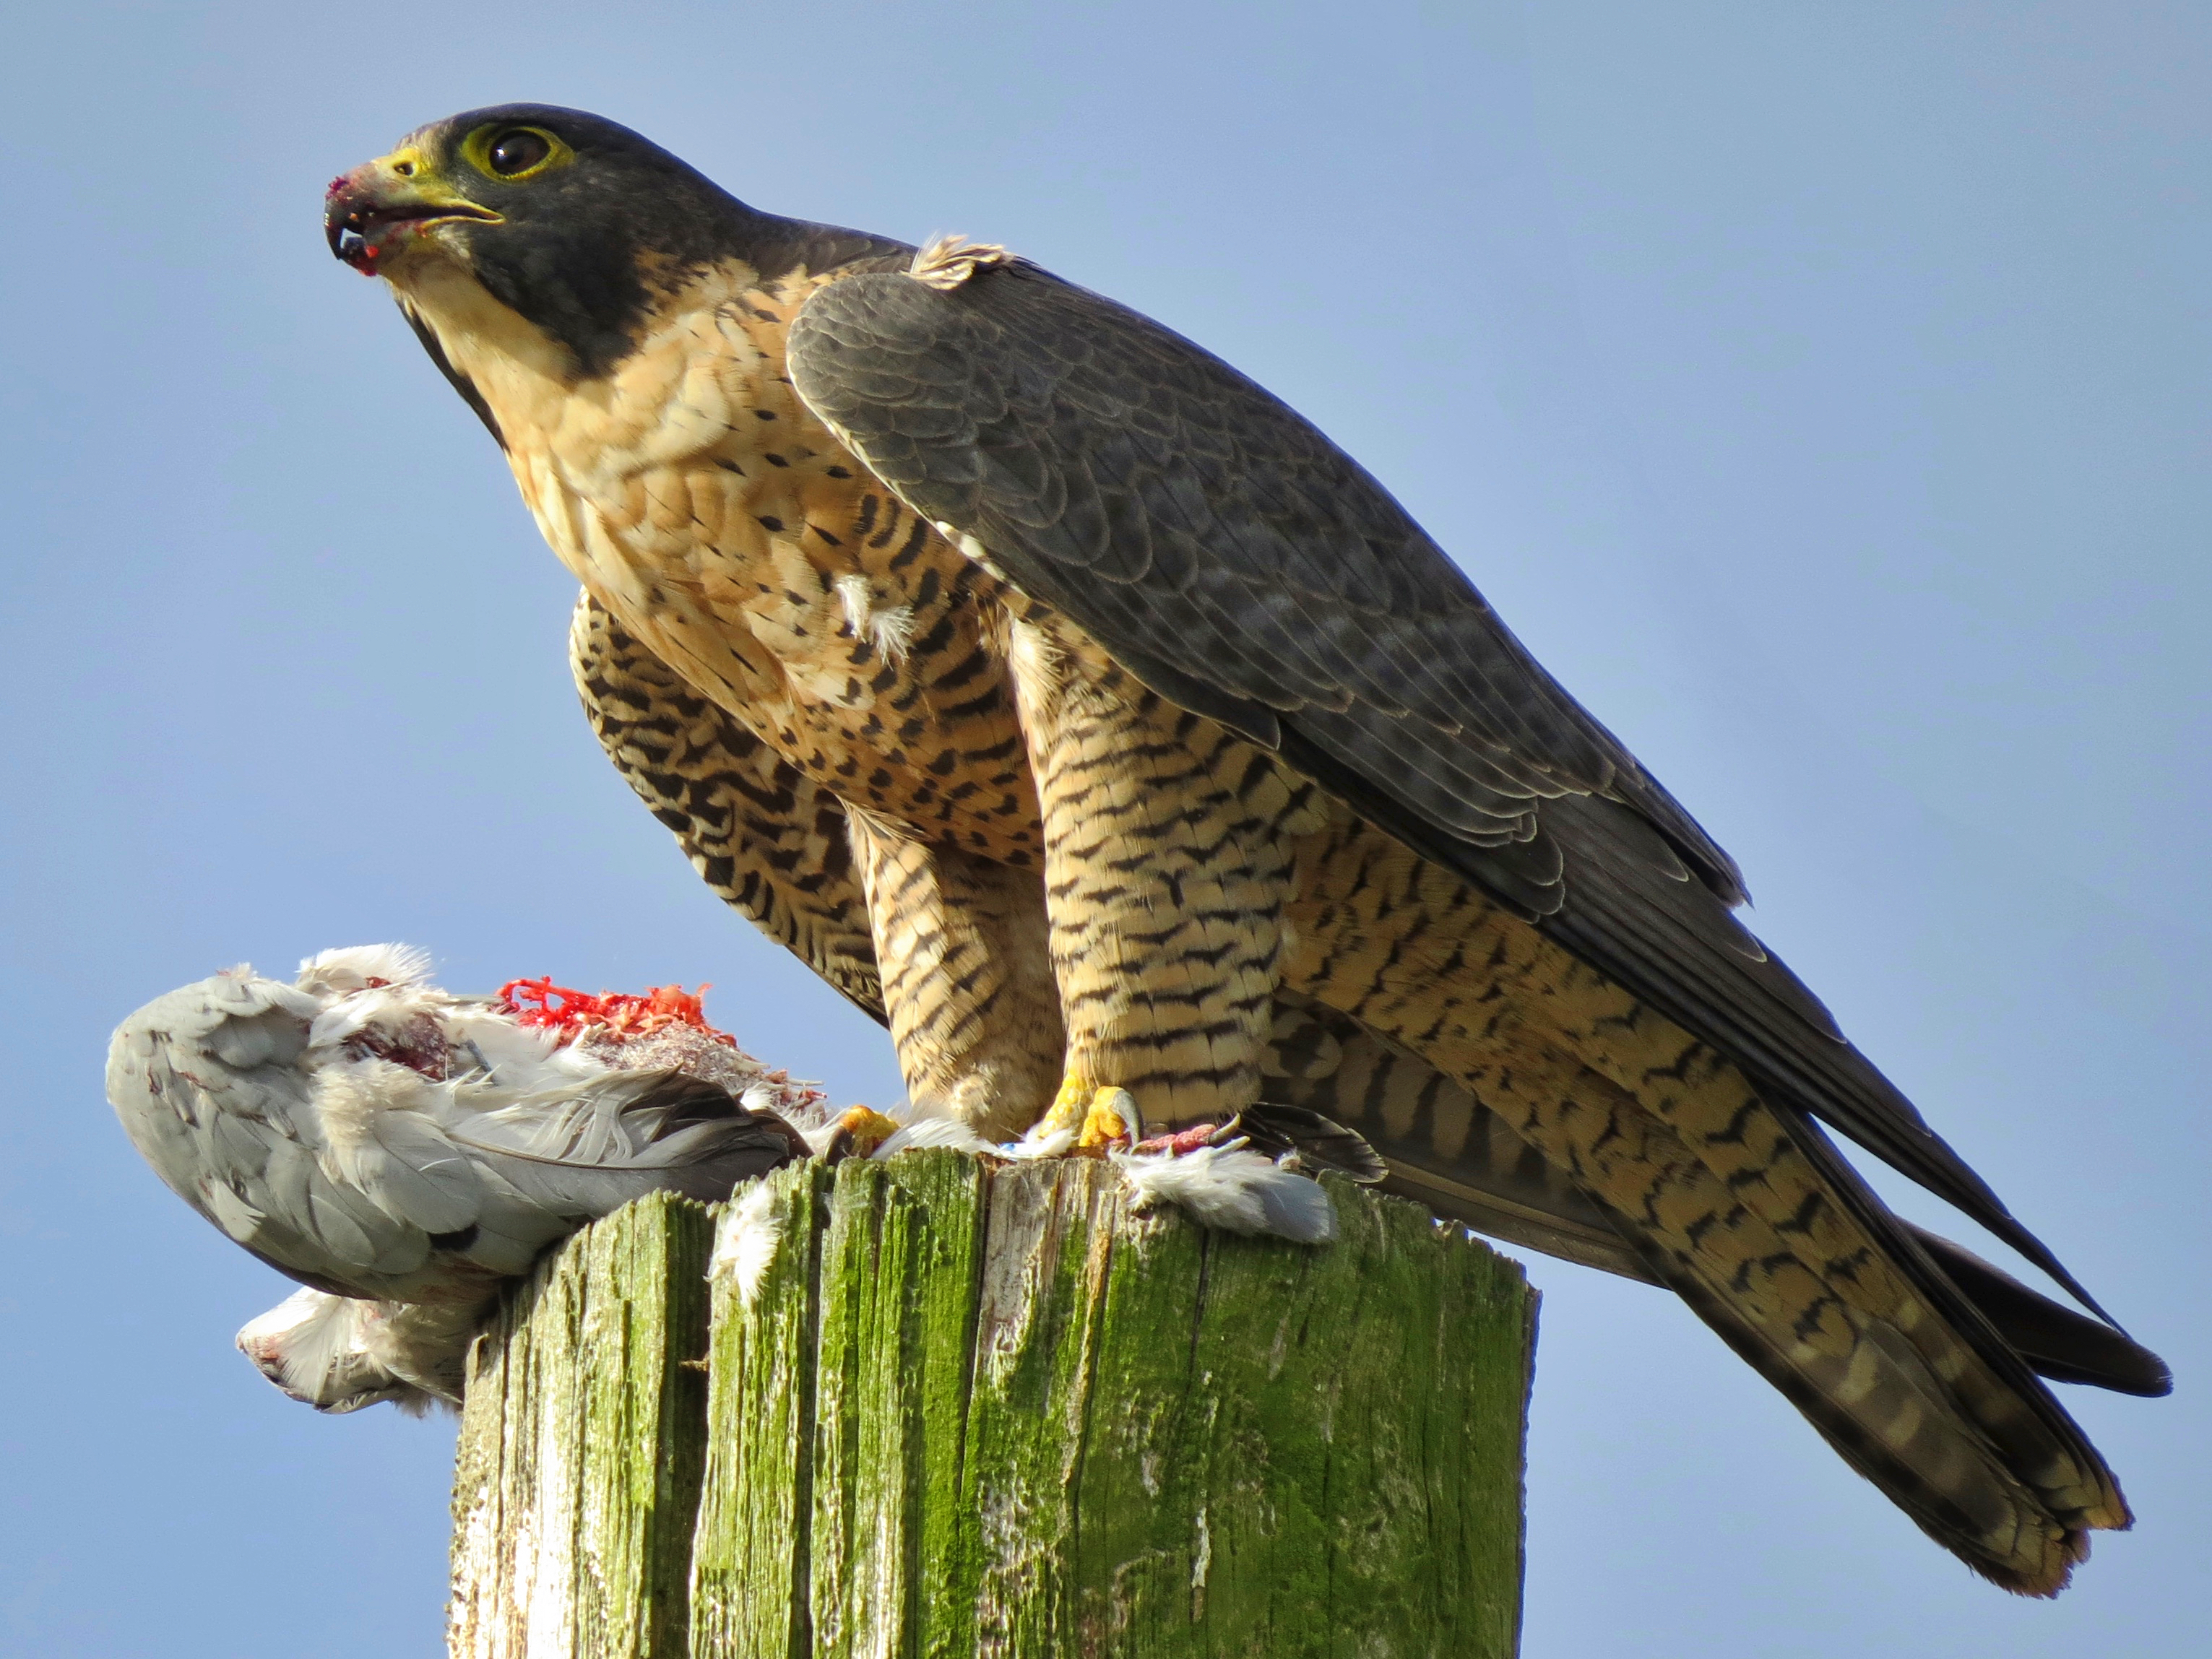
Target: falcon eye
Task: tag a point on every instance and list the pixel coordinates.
(519, 151)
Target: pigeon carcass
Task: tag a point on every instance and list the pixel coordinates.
(402, 1151)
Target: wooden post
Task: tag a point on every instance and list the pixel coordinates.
(576, 1483)
(976, 1410)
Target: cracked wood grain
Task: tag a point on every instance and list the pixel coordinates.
(576, 1483)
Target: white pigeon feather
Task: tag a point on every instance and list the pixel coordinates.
(1233, 1189)
(746, 1241)
(932, 1132)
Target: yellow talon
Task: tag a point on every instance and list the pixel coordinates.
(1069, 1108)
(1113, 1118)
(860, 1131)
(1093, 1117)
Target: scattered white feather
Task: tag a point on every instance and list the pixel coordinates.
(855, 596)
(891, 630)
(948, 261)
(932, 1132)
(1233, 1189)
(351, 967)
(1039, 1142)
(1034, 660)
(746, 1244)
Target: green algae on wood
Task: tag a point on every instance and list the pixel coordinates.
(1043, 1426)
(984, 1409)
(576, 1485)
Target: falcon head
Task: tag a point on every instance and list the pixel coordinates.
(570, 221)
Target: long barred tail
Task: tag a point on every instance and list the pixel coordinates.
(1509, 1086)
(1976, 1451)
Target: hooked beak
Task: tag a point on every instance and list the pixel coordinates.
(382, 206)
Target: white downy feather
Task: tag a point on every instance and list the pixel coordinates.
(1037, 1141)
(746, 1244)
(932, 1132)
(888, 628)
(1233, 1189)
(351, 968)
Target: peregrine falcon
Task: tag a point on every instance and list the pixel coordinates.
(1081, 712)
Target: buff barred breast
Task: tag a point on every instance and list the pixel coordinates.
(1081, 713)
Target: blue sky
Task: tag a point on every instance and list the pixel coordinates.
(1820, 390)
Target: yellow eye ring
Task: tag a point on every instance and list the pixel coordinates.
(511, 154)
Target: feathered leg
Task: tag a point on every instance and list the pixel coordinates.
(1168, 861)
(967, 976)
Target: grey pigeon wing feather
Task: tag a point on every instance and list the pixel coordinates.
(598, 1146)
(1244, 567)
(406, 1166)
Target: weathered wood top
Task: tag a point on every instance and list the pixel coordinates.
(973, 1409)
